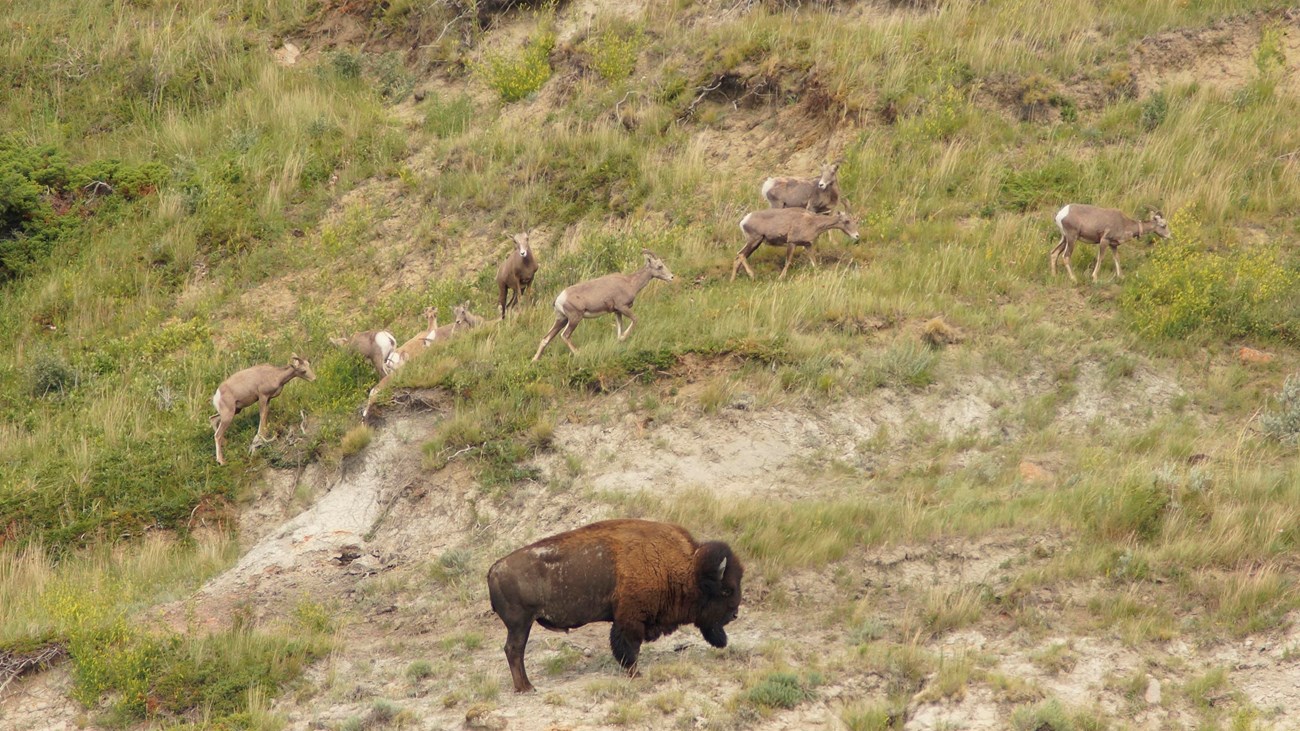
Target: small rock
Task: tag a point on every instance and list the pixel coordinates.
(480, 715)
(938, 333)
(1153, 691)
(742, 402)
(420, 94)
(1031, 472)
(1250, 355)
(287, 55)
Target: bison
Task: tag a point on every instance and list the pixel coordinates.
(646, 578)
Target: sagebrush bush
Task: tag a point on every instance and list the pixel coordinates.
(1282, 422)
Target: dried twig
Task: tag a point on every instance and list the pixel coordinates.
(704, 91)
(13, 665)
(374, 527)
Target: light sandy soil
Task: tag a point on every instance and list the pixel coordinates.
(398, 553)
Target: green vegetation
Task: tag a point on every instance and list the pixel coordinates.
(176, 205)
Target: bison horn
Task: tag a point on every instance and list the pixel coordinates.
(722, 568)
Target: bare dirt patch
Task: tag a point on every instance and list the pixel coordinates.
(1221, 56)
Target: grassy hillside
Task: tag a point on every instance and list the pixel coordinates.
(176, 204)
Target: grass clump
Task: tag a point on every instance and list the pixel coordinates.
(783, 690)
(419, 670)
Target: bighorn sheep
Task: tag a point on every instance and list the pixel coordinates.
(259, 384)
(818, 195)
(516, 273)
(400, 356)
(465, 318)
(1101, 226)
(374, 345)
(790, 227)
(595, 297)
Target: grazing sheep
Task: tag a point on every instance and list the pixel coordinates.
(789, 227)
(1101, 226)
(400, 356)
(819, 195)
(374, 345)
(258, 384)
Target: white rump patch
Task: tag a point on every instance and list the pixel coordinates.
(1060, 217)
(216, 399)
(744, 222)
(560, 302)
(768, 185)
(386, 342)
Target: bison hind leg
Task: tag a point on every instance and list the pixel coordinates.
(626, 649)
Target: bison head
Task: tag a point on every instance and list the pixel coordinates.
(717, 575)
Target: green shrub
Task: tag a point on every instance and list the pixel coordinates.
(613, 55)
(1154, 110)
(50, 373)
(515, 76)
(1184, 288)
(778, 690)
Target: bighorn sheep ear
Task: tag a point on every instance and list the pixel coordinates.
(722, 568)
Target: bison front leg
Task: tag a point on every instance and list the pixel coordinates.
(625, 643)
(516, 641)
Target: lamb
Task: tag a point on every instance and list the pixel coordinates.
(516, 273)
(1101, 226)
(819, 195)
(259, 384)
(374, 345)
(466, 319)
(595, 297)
(407, 351)
(791, 227)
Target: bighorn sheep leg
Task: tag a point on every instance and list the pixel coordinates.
(619, 314)
(567, 331)
(743, 257)
(1101, 253)
(560, 322)
(1056, 253)
(789, 257)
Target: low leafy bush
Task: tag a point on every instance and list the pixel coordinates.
(515, 76)
(1185, 288)
(613, 55)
